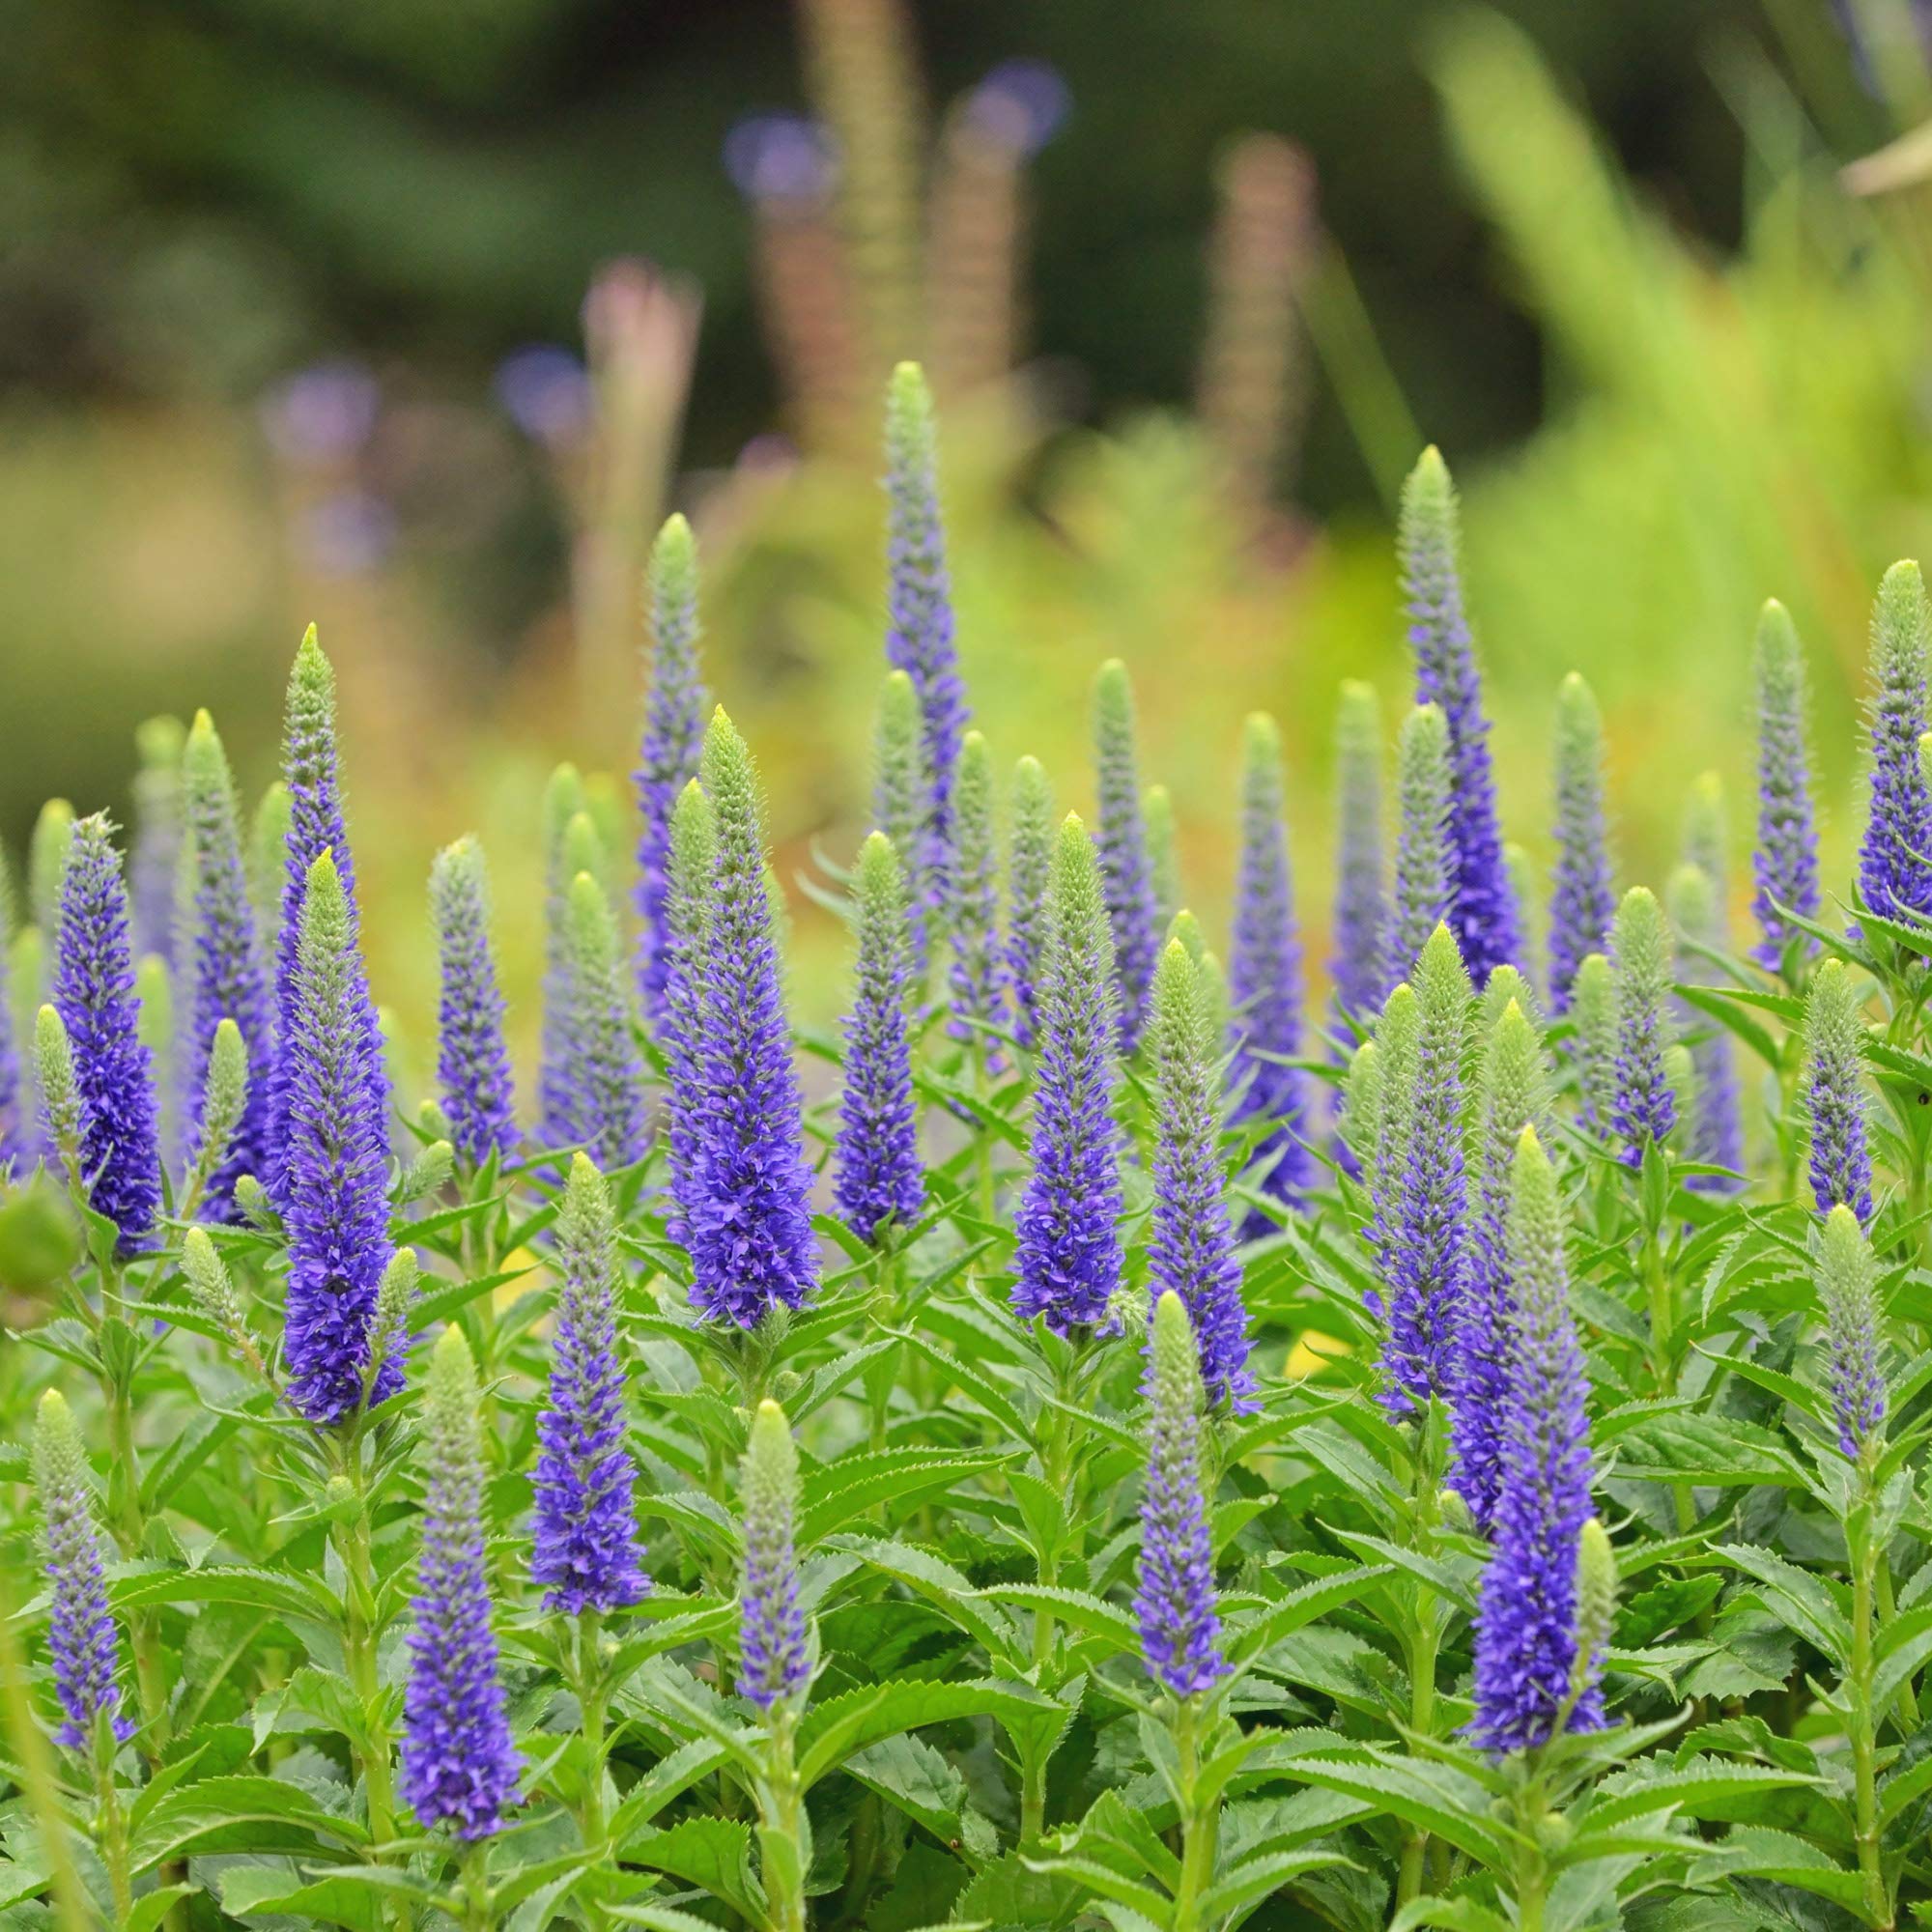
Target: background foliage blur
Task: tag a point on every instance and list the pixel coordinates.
(292, 297)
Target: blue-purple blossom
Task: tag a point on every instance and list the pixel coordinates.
(315, 825)
(1126, 865)
(918, 605)
(774, 1657)
(673, 739)
(80, 1631)
(1515, 1095)
(472, 1062)
(1785, 861)
(1175, 1603)
(1581, 902)
(1848, 1289)
(1895, 858)
(1359, 967)
(1191, 1245)
(1067, 1265)
(586, 1530)
(226, 968)
(1264, 987)
(93, 994)
(603, 1073)
(1528, 1676)
(1642, 1107)
(694, 865)
(1028, 883)
(459, 1766)
(1483, 916)
(1833, 1096)
(746, 1210)
(338, 1207)
(1423, 1225)
(903, 806)
(879, 1182)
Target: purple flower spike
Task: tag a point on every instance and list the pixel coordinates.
(459, 1766)
(472, 1062)
(880, 1182)
(1358, 969)
(1265, 985)
(1067, 1264)
(1581, 903)
(1848, 1288)
(80, 1631)
(1834, 1098)
(1192, 1246)
(1895, 860)
(585, 1531)
(93, 994)
(1484, 918)
(1029, 882)
(1175, 1605)
(775, 1656)
(338, 1210)
(747, 1207)
(1126, 862)
(1787, 860)
(673, 741)
(1536, 1664)
(1642, 1108)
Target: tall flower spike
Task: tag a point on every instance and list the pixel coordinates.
(1127, 867)
(1581, 903)
(1833, 1102)
(1360, 1119)
(880, 1182)
(1515, 1095)
(1163, 853)
(747, 1222)
(902, 797)
(1425, 885)
(80, 1631)
(1175, 1605)
(154, 854)
(978, 995)
(1848, 1289)
(694, 862)
(1717, 1122)
(1359, 968)
(585, 1523)
(918, 601)
(1483, 920)
(16, 1136)
(605, 1077)
(1526, 1619)
(1895, 858)
(1191, 1248)
(227, 968)
(1265, 985)
(472, 1063)
(1029, 881)
(569, 846)
(774, 1657)
(1523, 886)
(1068, 1263)
(1643, 1109)
(338, 1210)
(459, 1764)
(673, 738)
(1391, 1112)
(1426, 1232)
(268, 845)
(1593, 1012)
(309, 769)
(93, 994)
(46, 862)
(1786, 859)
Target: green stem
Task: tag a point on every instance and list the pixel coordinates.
(1425, 1635)
(358, 1643)
(1863, 1730)
(1198, 1826)
(784, 1859)
(591, 1695)
(1888, 1609)
(113, 1822)
(474, 1885)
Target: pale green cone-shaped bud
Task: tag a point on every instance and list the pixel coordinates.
(1398, 1045)
(1157, 807)
(1593, 1012)
(1847, 1274)
(389, 1324)
(1925, 758)
(1516, 1085)
(1642, 1107)
(975, 977)
(1707, 837)
(1029, 870)
(155, 1025)
(210, 1284)
(605, 800)
(563, 799)
(428, 1173)
(1506, 986)
(53, 1068)
(46, 862)
(432, 1119)
(605, 1064)
(582, 847)
(1596, 1606)
(772, 1646)
(252, 1198)
(1424, 882)
(1680, 1076)
(1187, 929)
(902, 795)
(1361, 1107)
(224, 1095)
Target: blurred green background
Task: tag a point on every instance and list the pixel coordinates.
(271, 271)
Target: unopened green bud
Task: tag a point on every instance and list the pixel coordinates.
(53, 1066)
(428, 1173)
(1596, 1604)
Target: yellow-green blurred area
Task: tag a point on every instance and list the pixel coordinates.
(1678, 360)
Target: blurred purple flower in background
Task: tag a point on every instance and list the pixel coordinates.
(1020, 104)
(780, 157)
(545, 390)
(321, 413)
